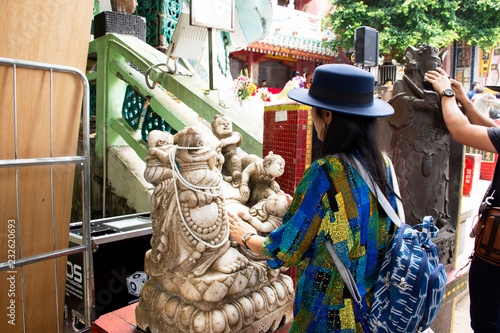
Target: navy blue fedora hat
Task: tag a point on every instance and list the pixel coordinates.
(345, 89)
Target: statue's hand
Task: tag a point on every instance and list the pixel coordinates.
(432, 100)
(152, 151)
(275, 187)
(245, 216)
(245, 191)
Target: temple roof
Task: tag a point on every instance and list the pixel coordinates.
(283, 44)
(295, 33)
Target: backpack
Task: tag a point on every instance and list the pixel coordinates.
(487, 230)
(487, 242)
(411, 281)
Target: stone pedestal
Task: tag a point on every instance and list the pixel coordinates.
(262, 310)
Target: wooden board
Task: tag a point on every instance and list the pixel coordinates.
(55, 32)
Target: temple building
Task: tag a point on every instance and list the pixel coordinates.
(293, 44)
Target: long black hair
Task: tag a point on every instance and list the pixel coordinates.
(356, 135)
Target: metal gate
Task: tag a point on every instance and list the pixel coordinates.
(84, 162)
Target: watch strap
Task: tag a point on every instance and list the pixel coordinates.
(247, 237)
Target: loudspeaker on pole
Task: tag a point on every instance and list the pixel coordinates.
(366, 46)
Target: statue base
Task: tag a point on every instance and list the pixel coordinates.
(261, 310)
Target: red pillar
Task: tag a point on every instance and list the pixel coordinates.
(299, 66)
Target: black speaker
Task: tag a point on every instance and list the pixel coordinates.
(366, 46)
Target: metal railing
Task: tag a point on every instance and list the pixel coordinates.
(84, 162)
(387, 73)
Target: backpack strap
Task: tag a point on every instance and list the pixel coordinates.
(375, 189)
(345, 274)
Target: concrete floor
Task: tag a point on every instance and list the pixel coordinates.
(461, 319)
(461, 322)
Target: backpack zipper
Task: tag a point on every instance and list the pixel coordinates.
(421, 272)
(432, 280)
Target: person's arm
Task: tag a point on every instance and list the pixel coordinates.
(238, 229)
(461, 129)
(475, 116)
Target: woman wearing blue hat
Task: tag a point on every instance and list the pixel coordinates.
(344, 113)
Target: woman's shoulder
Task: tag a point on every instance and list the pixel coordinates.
(339, 167)
(316, 171)
(332, 161)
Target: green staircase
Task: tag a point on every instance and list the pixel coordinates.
(126, 109)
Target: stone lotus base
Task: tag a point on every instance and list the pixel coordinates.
(262, 310)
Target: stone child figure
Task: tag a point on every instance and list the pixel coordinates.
(420, 142)
(266, 215)
(257, 180)
(222, 128)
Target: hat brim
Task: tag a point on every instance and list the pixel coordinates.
(378, 108)
(495, 88)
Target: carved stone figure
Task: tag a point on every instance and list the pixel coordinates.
(266, 215)
(222, 128)
(124, 6)
(158, 167)
(200, 280)
(253, 176)
(421, 146)
(257, 180)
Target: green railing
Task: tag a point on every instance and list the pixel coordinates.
(126, 110)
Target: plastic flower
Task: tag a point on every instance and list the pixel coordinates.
(264, 94)
(242, 86)
(253, 89)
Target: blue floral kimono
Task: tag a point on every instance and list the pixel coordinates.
(358, 229)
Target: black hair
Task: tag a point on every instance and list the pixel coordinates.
(355, 135)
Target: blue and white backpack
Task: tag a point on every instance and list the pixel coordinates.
(411, 281)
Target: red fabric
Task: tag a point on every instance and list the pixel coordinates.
(274, 90)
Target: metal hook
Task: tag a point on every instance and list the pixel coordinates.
(487, 202)
(146, 75)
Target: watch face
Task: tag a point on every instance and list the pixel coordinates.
(448, 93)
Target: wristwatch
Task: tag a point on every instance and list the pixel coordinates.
(447, 93)
(247, 237)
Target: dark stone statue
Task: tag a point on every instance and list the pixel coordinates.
(422, 150)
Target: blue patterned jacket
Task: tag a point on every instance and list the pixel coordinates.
(359, 230)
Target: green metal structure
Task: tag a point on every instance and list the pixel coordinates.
(126, 110)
